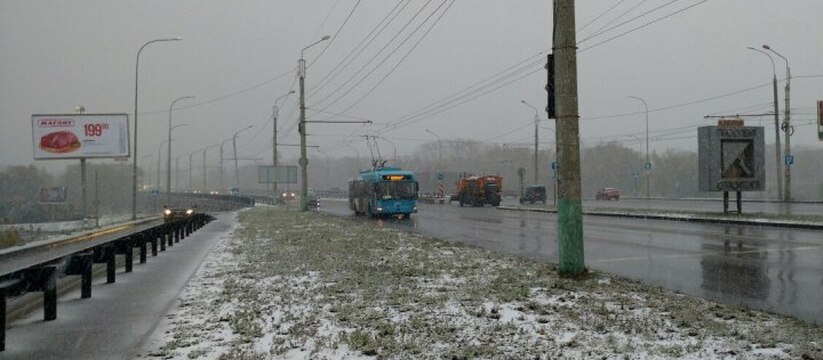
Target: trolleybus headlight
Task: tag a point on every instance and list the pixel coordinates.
(379, 209)
(167, 212)
(189, 212)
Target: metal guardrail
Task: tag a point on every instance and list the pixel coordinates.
(36, 267)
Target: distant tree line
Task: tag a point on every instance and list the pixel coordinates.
(20, 187)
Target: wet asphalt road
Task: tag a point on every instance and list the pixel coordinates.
(775, 269)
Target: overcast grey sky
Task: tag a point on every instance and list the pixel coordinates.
(238, 56)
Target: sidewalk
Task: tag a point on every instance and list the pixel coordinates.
(801, 222)
(291, 285)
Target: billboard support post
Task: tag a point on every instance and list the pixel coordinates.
(83, 186)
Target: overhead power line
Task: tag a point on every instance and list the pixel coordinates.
(413, 47)
(357, 50)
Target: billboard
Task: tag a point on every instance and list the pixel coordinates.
(731, 157)
(280, 174)
(53, 195)
(74, 136)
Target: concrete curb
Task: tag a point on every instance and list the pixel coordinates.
(796, 224)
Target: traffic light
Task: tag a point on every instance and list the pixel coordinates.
(550, 108)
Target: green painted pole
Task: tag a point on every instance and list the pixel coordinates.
(569, 205)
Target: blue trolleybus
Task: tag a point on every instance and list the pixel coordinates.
(384, 192)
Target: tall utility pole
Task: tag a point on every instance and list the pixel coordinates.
(304, 161)
(569, 205)
(787, 127)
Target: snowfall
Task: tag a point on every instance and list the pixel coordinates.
(290, 285)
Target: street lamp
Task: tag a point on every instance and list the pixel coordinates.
(234, 148)
(204, 165)
(168, 158)
(157, 184)
(787, 128)
(222, 182)
(134, 165)
(191, 154)
(275, 111)
(776, 125)
(648, 165)
(304, 161)
(635, 174)
(536, 119)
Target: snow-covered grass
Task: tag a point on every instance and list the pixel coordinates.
(289, 285)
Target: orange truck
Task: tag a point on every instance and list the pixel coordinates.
(479, 190)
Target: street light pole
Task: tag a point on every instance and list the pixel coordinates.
(190, 166)
(647, 165)
(304, 161)
(536, 119)
(157, 184)
(168, 158)
(204, 165)
(275, 111)
(222, 182)
(234, 149)
(777, 156)
(787, 127)
(134, 165)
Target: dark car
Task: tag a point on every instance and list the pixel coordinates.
(607, 194)
(173, 214)
(287, 196)
(533, 194)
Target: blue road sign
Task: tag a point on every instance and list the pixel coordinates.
(155, 192)
(789, 159)
(554, 165)
(440, 176)
(648, 166)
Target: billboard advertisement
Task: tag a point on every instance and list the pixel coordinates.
(73, 136)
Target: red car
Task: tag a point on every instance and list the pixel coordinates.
(608, 194)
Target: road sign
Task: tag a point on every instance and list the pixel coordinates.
(53, 195)
(648, 166)
(789, 159)
(155, 192)
(279, 174)
(554, 165)
(235, 191)
(440, 176)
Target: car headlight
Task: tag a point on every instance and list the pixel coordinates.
(167, 212)
(189, 212)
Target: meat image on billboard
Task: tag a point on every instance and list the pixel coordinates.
(73, 136)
